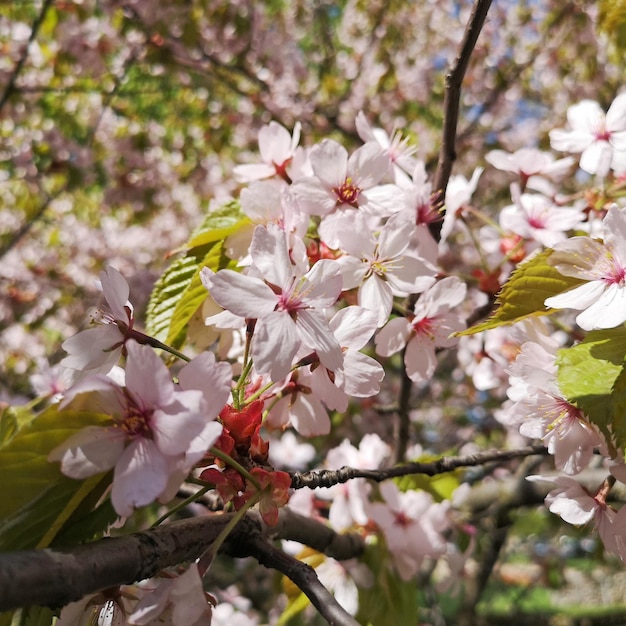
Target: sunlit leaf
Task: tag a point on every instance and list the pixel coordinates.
(587, 373)
(523, 295)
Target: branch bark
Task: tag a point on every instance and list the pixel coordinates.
(328, 478)
(451, 104)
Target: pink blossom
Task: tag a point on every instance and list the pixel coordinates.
(343, 184)
(348, 501)
(530, 165)
(154, 427)
(97, 350)
(277, 148)
(385, 266)
(536, 217)
(602, 298)
(178, 601)
(543, 412)
(575, 505)
(399, 151)
(600, 138)
(430, 327)
(286, 303)
(413, 526)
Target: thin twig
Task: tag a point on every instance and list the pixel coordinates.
(451, 104)
(300, 573)
(328, 478)
(10, 87)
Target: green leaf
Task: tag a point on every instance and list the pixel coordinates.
(589, 371)
(194, 295)
(618, 408)
(523, 295)
(37, 498)
(390, 600)
(166, 294)
(12, 419)
(179, 293)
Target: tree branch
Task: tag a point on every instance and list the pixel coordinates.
(10, 87)
(328, 478)
(55, 577)
(304, 576)
(451, 104)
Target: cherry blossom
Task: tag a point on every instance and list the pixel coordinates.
(575, 505)
(399, 150)
(531, 165)
(543, 412)
(599, 137)
(602, 298)
(97, 350)
(154, 427)
(177, 601)
(536, 217)
(277, 148)
(413, 526)
(286, 303)
(341, 579)
(385, 266)
(348, 501)
(342, 184)
(430, 327)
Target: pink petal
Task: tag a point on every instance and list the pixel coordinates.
(275, 344)
(90, 451)
(393, 337)
(315, 333)
(242, 295)
(140, 476)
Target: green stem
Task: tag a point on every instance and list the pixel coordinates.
(192, 498)
(155, 343)
(204, 562)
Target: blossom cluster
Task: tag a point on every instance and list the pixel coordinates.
(332, 272)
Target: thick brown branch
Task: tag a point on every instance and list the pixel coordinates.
(328, 478)
(56, 577)
(451, 104)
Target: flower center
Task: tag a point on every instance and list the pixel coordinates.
(423, 326)
(615, 273)
(401, 519)
(347, 193)
(136, 422)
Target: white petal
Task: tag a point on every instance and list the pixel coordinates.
(315, 333)
(140, 476)
(270, 252)
(608, 311)
(361, 375)
(90, 451)
(116, 292)
(353, 326)
(393, 337)
(322, 284)
(274, 345)
(367, 165)
(212, 378)
(420, 360)
(375, 295)
(147, 376)
(329, 160)
(242, 295)
(578, 298)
